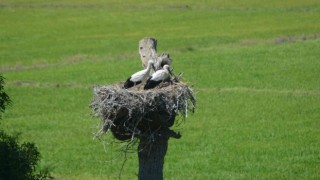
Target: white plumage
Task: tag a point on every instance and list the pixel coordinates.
(158, 77)
(139, 76)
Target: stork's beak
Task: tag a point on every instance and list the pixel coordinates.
(170, 71)
(153, 68)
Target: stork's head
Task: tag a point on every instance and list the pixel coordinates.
(167, 67)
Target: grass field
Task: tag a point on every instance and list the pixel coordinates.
(254, 65)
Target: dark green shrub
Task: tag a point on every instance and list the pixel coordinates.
(17, 161)
(4, 98)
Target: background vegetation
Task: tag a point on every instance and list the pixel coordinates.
(254, 66)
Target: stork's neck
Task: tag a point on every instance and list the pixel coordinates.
(148, 67)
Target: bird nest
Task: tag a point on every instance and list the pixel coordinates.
(134, 112)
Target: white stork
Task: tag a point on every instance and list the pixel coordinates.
(139, 76)
(158, 77)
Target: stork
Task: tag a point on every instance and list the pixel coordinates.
(158, 77)
(139, 76)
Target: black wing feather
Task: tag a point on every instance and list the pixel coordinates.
(129, 83)
(151, 84)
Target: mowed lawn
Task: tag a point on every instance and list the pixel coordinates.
(254, 66)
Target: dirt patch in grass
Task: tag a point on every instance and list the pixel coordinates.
(48, 85)
(256, 90)
(50, 6)
(93, 6)
(213, 89)
(66, 61)
(281, 40)
(78, 58)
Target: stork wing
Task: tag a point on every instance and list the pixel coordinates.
(138, 76)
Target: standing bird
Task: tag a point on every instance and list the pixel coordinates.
(158, 77)
(139, 76)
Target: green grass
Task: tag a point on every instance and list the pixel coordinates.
(258, 98)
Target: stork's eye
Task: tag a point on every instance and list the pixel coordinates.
(141, 47)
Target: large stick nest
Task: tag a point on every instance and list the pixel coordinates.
(130, 113)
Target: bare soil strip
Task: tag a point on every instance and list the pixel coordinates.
(199, 90)
(78, 58)
(257, 90)
(50, 6)
(67, 61)
(281, 40)
(48, 85)
(38, 66)
(159, 7)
